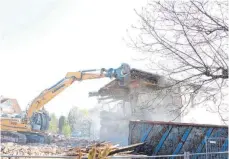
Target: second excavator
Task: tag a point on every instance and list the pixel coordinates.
(30, 126)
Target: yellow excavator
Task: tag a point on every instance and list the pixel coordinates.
(30, 126)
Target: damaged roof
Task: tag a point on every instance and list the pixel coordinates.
(9, 105)
(139, 78)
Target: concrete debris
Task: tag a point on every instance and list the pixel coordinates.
(98, 149)
(37, 150)
(71, 142)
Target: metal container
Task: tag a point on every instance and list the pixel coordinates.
(168, 138)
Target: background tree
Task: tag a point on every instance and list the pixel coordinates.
(187, 42)
(74, 117)
(66, 129)
(61, 124)
(53, 126)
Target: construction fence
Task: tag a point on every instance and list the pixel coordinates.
(215, 148)
(186, 155)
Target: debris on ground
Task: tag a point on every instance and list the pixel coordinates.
(71, 142)
(99, 149)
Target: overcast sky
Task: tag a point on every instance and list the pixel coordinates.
(40, 41)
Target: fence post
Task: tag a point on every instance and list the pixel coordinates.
(206, 147)
(186, 155)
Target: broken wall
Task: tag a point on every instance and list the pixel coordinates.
(144, 103)
(155, 105)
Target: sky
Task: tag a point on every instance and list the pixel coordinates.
(40, 41)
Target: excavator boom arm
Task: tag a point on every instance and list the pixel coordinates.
(48, 94)
(70, 77)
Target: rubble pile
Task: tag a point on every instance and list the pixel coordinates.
(43, 150)
(97, 149)
(29, 149)
(71, 142)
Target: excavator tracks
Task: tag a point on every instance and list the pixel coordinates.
(23, 138)
(13, 137)
(37, 138)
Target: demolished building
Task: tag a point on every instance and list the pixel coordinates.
(9, 106)
(142, 99)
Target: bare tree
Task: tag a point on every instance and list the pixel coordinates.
(188, 42)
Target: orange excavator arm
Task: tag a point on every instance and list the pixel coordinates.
(69, 79)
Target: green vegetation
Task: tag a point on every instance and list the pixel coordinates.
(74, 116)
(53, 126)
(60, 125)
(67, 129)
